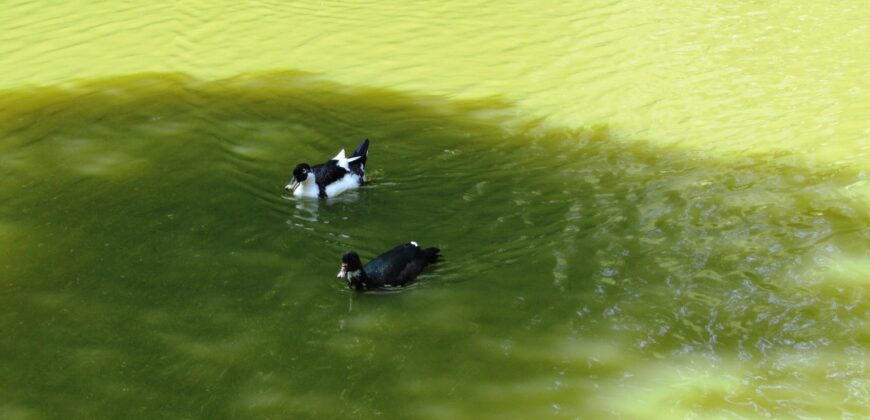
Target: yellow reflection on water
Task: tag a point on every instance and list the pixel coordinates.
(741, 77)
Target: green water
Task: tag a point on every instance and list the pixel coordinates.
(152, 268)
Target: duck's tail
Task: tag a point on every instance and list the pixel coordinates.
(431, 254)
(362, 151)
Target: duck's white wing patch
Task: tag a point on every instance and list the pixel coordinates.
(342, 161)
(347, 182)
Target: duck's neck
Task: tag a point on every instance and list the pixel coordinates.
(357, 280)
(308, 188)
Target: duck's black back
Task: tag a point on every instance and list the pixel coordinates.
(327, 173)
(400, 265)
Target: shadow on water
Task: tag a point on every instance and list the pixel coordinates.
(152, 267)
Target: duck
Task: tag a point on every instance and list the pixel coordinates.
(332, 177)
(396, 267)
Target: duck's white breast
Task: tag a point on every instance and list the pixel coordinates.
(308, 188)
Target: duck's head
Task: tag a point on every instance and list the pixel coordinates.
(300, 173)
(350, 265)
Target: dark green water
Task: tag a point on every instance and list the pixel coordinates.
(151, 267)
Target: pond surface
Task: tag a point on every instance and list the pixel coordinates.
(152, 266)
(633, 239)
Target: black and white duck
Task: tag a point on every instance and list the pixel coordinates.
(332, 177)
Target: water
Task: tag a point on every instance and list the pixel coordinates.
(640, 217)
(153, 267)
(729, 77)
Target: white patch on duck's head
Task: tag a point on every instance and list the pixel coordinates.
(352, 275)
(349, 275)
(415, 244)
(354, 281)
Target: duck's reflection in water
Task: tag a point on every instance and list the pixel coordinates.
(308, 209)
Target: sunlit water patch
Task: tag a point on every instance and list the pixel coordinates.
(153, 266)
(721, 78)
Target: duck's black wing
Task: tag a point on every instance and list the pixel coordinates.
(400, 265)
(327, 173)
